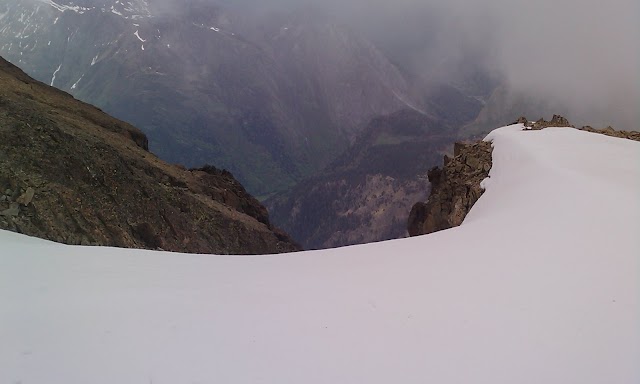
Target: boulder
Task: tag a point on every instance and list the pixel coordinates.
(26, 198)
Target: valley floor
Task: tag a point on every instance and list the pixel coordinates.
(541, 284)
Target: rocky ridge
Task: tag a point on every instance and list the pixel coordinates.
(72, 174)
(456, 187)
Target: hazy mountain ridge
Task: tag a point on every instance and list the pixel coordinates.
(272, 105)
(275, 100)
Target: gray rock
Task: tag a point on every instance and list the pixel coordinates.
(458, 148)
(26, 198)
(473, 162)
(13, 210)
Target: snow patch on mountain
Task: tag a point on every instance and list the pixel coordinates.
(137, 34)
(77, 82)
(53, 78)
(63, 8)
(129, 10)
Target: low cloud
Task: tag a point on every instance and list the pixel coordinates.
(580, 54)
(583, 56)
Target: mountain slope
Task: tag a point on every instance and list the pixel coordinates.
(540, 284)
(70, 173)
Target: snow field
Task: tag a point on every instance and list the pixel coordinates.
(541, 284)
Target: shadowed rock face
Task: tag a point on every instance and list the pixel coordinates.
(454, 189)
(72, 174)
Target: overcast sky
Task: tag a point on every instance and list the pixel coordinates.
(582, 53)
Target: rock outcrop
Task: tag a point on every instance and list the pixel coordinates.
(609, 131)
(72, 174)
(556, 121)
(455, 188)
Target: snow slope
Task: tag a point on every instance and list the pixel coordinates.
(541, 284)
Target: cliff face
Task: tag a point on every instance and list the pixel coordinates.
(72, 174)
(456, 187)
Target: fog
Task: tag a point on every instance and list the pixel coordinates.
(582, 55)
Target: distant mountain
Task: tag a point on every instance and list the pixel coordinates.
(272, 101)
(72, 174)
(366, 194)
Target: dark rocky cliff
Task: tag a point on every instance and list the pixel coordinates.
(72, 174)
(455, 188)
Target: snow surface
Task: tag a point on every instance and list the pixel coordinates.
(541, 284)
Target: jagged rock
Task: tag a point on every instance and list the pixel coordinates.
(417, 217)
(434, 175)
(559, 121)
(609, 131)
(454, 189)
(26, 198)
(473, 162)
(458, 148)
(556, 121)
